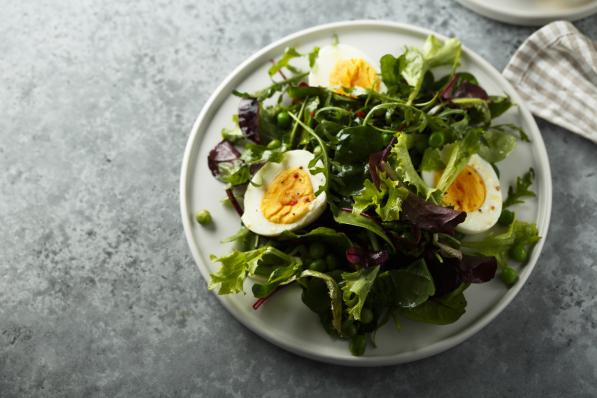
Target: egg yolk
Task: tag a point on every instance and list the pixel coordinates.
(467, 192)
(353, 72)
(288, 197)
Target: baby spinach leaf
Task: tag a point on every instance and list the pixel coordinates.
(498, 105)
(441, 310)
(404, 287)
(496, 146)
(323, 234)
(355, 144)
(356, 288)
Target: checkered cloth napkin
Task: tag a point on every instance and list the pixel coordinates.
(555, 71)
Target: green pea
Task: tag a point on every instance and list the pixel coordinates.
(331, 261)
(318, 265)
(349, 329)
(519, 252)
(358, 344)
(506, 218)
(283, 119)
(317, 250)
(366, 315)
(273, 144)
(509, 276)
(387, 137)
(436, 139)
(203, 217)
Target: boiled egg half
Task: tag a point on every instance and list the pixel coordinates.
(476, 190)
(281, 196)
(341, 66)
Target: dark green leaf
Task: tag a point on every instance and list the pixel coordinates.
(520, 189)
(404, 287)
(441, 310)
(355, 144)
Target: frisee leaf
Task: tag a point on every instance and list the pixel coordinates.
(406, 170)
(356, 288)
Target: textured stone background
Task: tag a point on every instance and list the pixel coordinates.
(99, 294)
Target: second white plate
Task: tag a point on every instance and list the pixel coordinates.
(532, 12)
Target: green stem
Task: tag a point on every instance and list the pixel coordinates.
(322, 144)
(294, 127)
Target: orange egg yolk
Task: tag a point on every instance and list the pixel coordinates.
(467, 192)
(353, 72)
(288, 197)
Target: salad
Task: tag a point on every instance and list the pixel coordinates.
(371, 186)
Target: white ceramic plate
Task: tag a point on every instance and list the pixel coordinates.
(532, 12)
(284, 320)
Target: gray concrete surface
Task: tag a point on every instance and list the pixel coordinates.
(99, 295)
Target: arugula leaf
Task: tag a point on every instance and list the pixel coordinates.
(441, 310)
(406, 170)
(459, 154)
(499, 245)
(404, 287)
(496, 146)
(289, 54)
(356, 288)
(521, 189)
(335, 298)
(344, 217)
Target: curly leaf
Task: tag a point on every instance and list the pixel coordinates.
(356, 288)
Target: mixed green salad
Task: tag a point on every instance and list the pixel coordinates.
(371, 186)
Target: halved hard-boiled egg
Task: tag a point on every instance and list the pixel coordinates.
(476, 190)
(341, 66)
(281, 196)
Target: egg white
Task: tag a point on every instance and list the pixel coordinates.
(253, 217)
(487, 215)
(328, 57)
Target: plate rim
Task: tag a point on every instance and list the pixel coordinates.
(543, 206)
(528, 18)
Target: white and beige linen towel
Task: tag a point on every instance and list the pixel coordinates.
(555, 72)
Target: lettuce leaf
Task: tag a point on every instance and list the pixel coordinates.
(496, 145)
(237, 265)
(356, 288)
(405, 169)
(459, 154)
(385, 200)
(414, 63)
(499, 244)
(312, 299)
